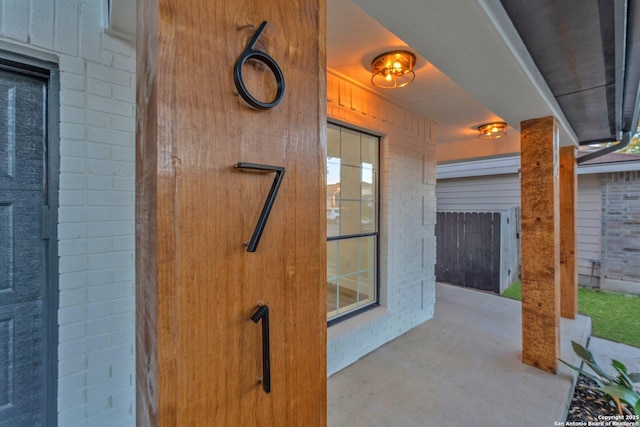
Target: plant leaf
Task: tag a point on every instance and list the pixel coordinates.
(621, 392)
(584, 354)
(619, 366)
(624, 380)
(635, 377)
(636, 408)
(585, 373)
(588, 358)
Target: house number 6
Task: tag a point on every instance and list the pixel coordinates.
(249, 53)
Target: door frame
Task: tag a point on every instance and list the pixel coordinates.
(40, 68)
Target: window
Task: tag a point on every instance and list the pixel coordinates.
(352, 220)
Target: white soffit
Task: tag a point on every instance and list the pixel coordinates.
(475, 44)
(122, 19)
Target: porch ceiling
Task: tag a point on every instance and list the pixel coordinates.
(483, 60)
(527, 59)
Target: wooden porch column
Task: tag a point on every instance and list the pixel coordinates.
(568, 202)
(540, 243)
(230, 267)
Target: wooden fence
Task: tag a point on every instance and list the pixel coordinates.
(469, 250)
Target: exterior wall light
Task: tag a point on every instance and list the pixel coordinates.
(393, 69)
(492, 130)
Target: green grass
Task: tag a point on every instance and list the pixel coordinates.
(514, 291)
(615, 317)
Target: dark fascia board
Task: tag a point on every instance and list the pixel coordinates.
(631, 95)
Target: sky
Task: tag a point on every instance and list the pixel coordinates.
(333, 171)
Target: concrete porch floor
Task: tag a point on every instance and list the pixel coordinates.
(461, 368)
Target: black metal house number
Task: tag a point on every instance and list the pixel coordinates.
(250, 53)
(252, 245)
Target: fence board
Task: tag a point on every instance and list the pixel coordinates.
(468, 249)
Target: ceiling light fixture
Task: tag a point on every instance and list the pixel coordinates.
(492, 130)
(393, 69)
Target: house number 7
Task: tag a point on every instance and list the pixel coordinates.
(252, 245)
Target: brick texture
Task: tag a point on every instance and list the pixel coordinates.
(96, 228)
(621, 226)
(407, 221)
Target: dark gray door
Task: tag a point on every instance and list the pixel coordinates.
(23, 249)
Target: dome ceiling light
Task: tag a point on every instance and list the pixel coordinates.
(492, 130)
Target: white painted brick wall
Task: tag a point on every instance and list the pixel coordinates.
(96, 215)
(407, 221)
(96, 226)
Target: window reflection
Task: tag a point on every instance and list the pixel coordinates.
(352, 220)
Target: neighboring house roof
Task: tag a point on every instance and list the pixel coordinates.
(613, 158)
(613, 162)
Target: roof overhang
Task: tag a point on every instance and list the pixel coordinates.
(576, 60)
(589, 54)
(476, 45)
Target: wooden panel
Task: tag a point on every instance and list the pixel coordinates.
(495, 254)
(568, 234)
(540, 248)
(440, 245)
(459, 246)
(472, 235)
(509, 258)
(482, 252)
(468, 249)
(199, 355)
